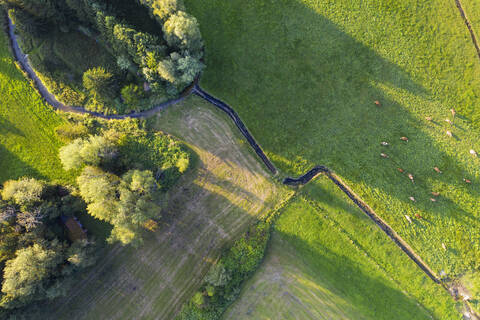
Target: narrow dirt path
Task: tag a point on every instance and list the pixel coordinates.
(469, 26)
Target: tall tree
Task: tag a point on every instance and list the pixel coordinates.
(25, 191)
(28, 274)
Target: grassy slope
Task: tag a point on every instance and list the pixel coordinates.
(207, 208)
(28, 145)
(303, 75)
(331, 262)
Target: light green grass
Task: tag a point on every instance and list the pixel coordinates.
(303, 75)
(327, 260)
(472, 10)
(313, 270)
(28, 144)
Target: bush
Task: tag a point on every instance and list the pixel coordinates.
(91, 151)
(70, 131)
(132, 95)
(25, 191)
(224, 279)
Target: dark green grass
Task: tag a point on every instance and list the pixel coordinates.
(303, 75)
(28, 145)
(62, 58)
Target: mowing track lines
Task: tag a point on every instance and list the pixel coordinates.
(312, 174)
(319, 169)
(469, 26)
(51, 100)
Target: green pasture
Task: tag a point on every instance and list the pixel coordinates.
(316, 268)
(304, 76)
(28, 144)
(472, 10)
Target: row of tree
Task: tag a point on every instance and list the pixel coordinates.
(36, 258)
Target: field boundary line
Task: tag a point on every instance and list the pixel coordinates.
(319, 169)
(311, 174)
(469, 26)
(25, 66)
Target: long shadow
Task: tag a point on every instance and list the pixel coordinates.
(343, 276)
(7, 127)
(11, 167)
(310, 96)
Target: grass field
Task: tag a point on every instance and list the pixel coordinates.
(210, 206)
(472, 10)
(304, 76)
(331, 262)
(28, 145)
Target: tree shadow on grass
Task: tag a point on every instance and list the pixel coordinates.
(12, 167)
(6, 127)
(306, 90)
(362, 288)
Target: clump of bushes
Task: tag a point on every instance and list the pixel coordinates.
(223, 281)
(37, 260)
(124, 173)
(167, 61)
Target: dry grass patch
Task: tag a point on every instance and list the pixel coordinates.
(211, 205)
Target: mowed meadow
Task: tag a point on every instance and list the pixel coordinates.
(304, 75)
(316, 268)
(213, 203)
(28, 144)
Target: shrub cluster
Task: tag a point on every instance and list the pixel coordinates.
(164, 62)
(37, 261)
(125, 172)
(223, 281)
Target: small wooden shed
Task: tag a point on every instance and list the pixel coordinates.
(74, 228)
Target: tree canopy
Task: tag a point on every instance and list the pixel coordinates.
(126, 172)
(36, 258)
(169, 59)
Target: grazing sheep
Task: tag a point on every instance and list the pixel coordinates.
(383, 155)
(404, 139)
(437, 169)
(433, 199)
(384, 143)
(467, 180)
(444, 246)
(436, 194)
(400, 170)
(377, 103)
(449, 121)
(412, 198)
(473, 152)
(449, 133)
